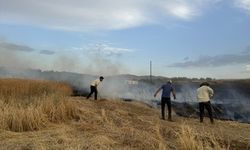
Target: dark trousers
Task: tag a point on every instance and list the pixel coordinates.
(92, 90)
(165, 100)
(208, 106)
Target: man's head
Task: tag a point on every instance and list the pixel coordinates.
(169, 81)
(101, 78)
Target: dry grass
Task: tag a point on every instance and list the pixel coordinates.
(19, 118)
(55, 121)
(24, 91)
(28, 105)
(191, 139)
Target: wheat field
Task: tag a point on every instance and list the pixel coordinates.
(43, 115)
(28, 105)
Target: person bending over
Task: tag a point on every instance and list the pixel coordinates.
(167, 89)
(93, 87)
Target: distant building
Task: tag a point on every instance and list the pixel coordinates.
(131, 82)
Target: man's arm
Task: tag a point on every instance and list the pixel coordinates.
(211, 92)
(157, 91)
(174, 94)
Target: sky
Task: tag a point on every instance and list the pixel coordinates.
(182, 38)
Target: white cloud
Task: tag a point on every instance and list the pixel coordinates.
(47, 52)
(243, 4)
(181, 10)
(248, 67)
(85, 15)
(104, 49)
(215, 61)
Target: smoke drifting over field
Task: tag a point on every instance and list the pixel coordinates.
(231, 98)
(96, 59)
(230, 102)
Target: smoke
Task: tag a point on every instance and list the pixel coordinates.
(69, 63)
(187, 93)
(13, 59)
(233, 105)
(129, 89)
(231, 100)
(103, 58)
(17, 56)
(14, 47)
(101, 65)
(96, 59)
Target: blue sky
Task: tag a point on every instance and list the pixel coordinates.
(183, 38)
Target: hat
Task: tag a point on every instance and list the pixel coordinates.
(204, 84)
(101, 77)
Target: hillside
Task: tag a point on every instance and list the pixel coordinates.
(76, 123)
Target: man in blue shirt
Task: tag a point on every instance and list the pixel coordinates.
(167, 89)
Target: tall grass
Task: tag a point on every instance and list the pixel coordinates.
(23, 89)
(28, 105)
(190, 139)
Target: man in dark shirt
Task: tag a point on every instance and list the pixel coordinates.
(167, 89)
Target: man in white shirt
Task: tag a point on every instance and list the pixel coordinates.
(204, 94)
(93, 87)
